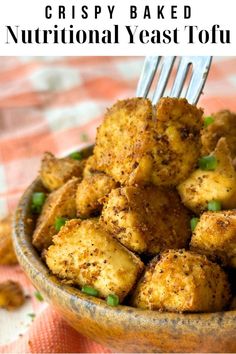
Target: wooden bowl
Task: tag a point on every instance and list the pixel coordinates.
(123, 328)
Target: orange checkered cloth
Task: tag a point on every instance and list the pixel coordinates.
(56, 104)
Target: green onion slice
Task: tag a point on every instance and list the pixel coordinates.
(208, 120)
(193, 223)
(59, 222)
(32, 315)
(38, 296)
(38, 199)
(207, 163)
(112, 300)
(76, 155)
(89, 290)
(214, 205)
(84, 137)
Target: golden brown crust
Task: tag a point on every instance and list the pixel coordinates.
(85, 254)
(123, 137)
(60, 203)
(7, 253)
(90, 166)
(138, 144)
(224, 125)
(182, 281)
(177, 140)
(90, 193)
(204, 186)
(11, 295)
(147, 219)
(55, 172)
(215, 236)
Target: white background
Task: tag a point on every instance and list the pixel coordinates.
(29, 14)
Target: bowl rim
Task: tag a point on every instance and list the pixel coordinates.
(28, 257)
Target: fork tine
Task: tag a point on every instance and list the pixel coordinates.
(147, 76)
(180, 78)
(163, 79)
(201, 66)
(200, 71)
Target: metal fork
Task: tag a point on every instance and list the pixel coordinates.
(200, 69)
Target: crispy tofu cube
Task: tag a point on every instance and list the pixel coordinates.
(7, 253)
(147, 219)
(90, 193)
(85, 254)
(215, 236)
(182, 281)
(138, 143)
(176, 140)
(55, 172)
(60, 203)
(11, 295)
(204, 186)
(224, 125)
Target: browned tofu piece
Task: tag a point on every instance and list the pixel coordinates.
(215, 236)
(11, 295)
(90, 193)
(224, 125)
(204, 186)
(182, 281)
(85, 254)
(147, 219)
(177, 147)
(55, 172)
(60, 203)
(138, 143)
(7, 253)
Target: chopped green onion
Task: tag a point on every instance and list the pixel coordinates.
(208, 120)
(76, 155)
(193, 223)
(59, 222)
(84, 137)
(32, 315)
(38, 200)
(214, 205)
(89, 290)
(38, 296)
(112, 300)
(207, 163)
